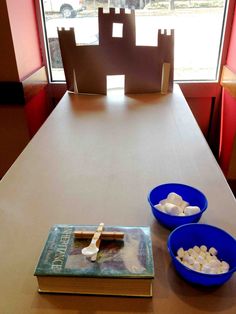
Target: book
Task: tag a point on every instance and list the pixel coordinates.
(123, 267)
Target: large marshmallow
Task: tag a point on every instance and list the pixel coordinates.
(174, 198)
(172, 209)
(191, 210)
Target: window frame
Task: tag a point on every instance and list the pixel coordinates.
(191, 86)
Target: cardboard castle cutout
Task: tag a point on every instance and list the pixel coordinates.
(146, 68)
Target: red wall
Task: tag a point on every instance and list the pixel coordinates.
(231, 57)
(37, 110)
(228, 129)
(228, 114)
(25, 36)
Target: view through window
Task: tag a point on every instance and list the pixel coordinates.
(198, 28)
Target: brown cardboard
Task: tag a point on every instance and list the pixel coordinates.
(86, 66)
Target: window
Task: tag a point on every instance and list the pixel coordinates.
(117, 30)
(198, 26)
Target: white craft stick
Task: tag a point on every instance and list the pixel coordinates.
(93, 248)
(100, 229)
(165, 78)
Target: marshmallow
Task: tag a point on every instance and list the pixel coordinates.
(196, 249)
(214, 263)
(214, 271)
(191, 260)
(172, 209)
(190, 251)
(206, 269)
(186, 256)
(196, 266)
(224, 266)
(180, 252)
(208, 257)
(186, 264)
(201, 260)
(175, 199)
(162, 202)
(174, 205)
(188, 259)
(213, 251)
(194, 254)
(203, 254)
(191, 210)
(160, 207)
(183, 205)
(203, 248)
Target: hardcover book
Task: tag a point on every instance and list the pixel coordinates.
(122, 267)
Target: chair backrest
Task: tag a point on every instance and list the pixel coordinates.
(146, 68)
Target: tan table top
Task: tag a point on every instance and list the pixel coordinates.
(95, 159)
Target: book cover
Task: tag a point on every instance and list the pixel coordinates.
(128, 258)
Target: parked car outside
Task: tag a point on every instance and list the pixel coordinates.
(68, 8)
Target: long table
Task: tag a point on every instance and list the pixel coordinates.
(95, 159)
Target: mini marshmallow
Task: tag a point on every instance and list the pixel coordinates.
(208, 257)
(206, 269)
(194, 254)
(201, 260)
(186, 264)
(203, 254)
(213, 251)
(214, 271)
(190, 251)
(191, 210)
(218, 271)
(203, 248)
(196, 249)
(224, 266)
(172, 209)
(214, 257)
(214, 263)
(191, 260)
(180, 252)
(185, 258)
(196, 266)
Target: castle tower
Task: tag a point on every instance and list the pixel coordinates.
(106, 22)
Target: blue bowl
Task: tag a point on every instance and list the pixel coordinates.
(187, 236)
(190, 194)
